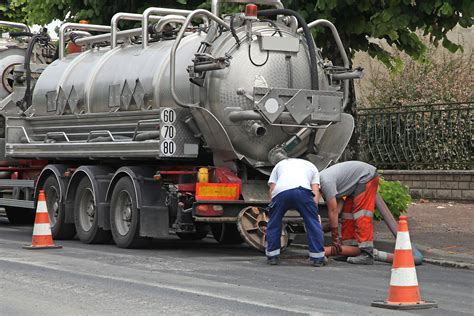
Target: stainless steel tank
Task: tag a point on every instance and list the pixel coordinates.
(240, 88)
(130, 78)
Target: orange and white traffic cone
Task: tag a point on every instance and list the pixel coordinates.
(42, 238)
(403, 292)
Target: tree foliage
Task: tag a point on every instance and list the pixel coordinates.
(358, 21)
(11, 10)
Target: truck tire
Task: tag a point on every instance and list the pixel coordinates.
(57, 214)
(125, 217)
(20, 216)
(86, 216)
(226, 234)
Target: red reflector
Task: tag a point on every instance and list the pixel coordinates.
(251, 10)
(209, 210)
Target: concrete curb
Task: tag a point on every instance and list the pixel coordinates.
(449, 264)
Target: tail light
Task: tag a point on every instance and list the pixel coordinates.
(209, 210)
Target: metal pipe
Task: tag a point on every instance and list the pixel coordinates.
(257, 129)
(16, 25)
(130, 17)
(179, 37)
(106, 37)
(340, 46)
(356, 74)
(77, 26)
(245, 115)
(80, 33)
(146, 15)
(158, 27)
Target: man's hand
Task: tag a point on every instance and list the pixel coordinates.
(336, 247)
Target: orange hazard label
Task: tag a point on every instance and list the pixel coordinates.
(217, 191)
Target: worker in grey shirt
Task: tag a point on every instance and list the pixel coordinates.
(352, 187)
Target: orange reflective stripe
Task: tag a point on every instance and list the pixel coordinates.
(42, 218)
(217, 191)
(403, 259)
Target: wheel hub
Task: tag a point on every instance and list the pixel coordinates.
(252, 225)
(87, 209)
(123, 213)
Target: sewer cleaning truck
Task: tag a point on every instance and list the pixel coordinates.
(168, 127)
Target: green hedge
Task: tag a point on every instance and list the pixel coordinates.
(396, 195)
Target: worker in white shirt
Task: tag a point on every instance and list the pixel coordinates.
(294, 184)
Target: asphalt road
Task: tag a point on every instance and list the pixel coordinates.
(200, 278)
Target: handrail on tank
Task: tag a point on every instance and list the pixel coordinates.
(215, 4)
(16, 25)
(342, 52)
(77, 26)
(129, 17)
(106, 36)
(172, 18)
(156, 10)
(179, 37)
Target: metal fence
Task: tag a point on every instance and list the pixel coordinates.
(426, 136)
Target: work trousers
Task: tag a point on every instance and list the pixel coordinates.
(299, 199)
(358, 216)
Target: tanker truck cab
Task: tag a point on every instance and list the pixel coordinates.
(171, 126)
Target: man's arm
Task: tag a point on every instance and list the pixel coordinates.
(333, 212)
(315, 189)
(270, 189)
(334, 207)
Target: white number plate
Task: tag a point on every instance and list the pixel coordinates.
(168, 132)
(168, 116)
(168, 147)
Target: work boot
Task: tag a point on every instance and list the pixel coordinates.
(319, 262)
(366, 257)
(273, 261)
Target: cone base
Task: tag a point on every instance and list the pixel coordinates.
(419, 305)
(31, 247)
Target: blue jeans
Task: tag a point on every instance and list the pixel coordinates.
(300, 199)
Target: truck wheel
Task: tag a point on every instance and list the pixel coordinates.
(226, 234)
(18, 215)
(86, 215)
(192, 236)
(57, 215)
(125, 217)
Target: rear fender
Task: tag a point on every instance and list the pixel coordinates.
(99, 177)
(151, 196)
(57, 171)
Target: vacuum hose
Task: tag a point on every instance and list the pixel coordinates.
(308, 37)
(392, 225)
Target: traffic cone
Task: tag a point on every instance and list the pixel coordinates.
(403, 292)
(42, 238)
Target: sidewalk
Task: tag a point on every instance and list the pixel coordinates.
(442, 231)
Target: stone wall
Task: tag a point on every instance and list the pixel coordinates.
(453, 185)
